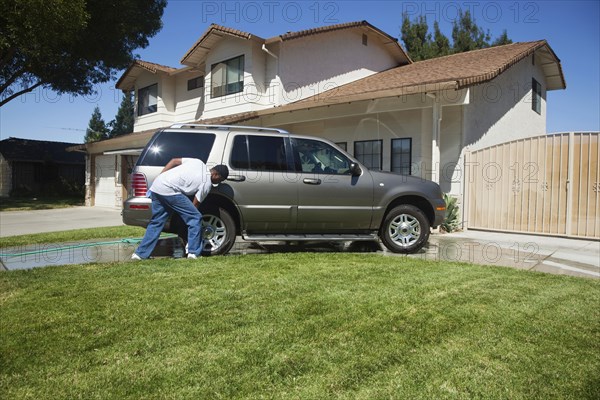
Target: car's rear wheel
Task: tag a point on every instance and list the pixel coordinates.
(218, 231)
(405, 229)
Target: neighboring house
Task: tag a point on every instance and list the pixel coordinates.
(350, 83)
(39, 167)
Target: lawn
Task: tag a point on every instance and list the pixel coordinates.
(297, 326)
(112, 232)
(38, 203)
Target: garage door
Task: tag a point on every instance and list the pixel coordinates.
(105, 188)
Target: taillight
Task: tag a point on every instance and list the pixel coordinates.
(139, 185)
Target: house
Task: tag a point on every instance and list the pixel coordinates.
(39, 167)
(350, 83)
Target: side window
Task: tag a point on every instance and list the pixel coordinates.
(259, 153)
(317, 157)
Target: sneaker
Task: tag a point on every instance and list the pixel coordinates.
(193, 256)
(135, 257)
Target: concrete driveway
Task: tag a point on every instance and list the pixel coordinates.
(62, 219)
(535, 253)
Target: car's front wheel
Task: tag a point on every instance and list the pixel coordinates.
(405, 229)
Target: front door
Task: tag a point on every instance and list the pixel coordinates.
(330, 198)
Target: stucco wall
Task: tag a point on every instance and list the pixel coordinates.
(311, 66)
(500, 110)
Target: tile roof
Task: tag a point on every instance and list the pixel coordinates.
(207, 40)
(127, 79)
(455, 71)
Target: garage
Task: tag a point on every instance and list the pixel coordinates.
(105, 184)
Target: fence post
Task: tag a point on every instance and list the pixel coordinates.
(569, 211)
(465, 189)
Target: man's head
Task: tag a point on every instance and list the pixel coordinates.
(218, 174)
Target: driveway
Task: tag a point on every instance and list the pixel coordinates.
(534, 253)
(26, 222)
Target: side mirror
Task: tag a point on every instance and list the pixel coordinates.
(355, 169)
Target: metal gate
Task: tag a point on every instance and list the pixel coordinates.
(544, 185)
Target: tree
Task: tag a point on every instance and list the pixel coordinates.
(502, 39)
(416, 39)
(466, 36)
(123, 122)
(97, 129)
(70, 46)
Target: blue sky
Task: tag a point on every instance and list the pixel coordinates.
(570, 27)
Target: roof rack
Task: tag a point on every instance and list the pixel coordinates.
(229, 127)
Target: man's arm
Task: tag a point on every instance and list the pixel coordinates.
(172, 164)
(195, 202)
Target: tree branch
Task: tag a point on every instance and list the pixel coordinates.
(15, 95)
(12, 79)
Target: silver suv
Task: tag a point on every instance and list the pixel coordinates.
(287, 187)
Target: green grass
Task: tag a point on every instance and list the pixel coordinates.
(297, 326)
(112, 232)
(38, 203)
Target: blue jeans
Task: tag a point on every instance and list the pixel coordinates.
(162, 208)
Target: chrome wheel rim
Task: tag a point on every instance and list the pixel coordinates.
(404, 230)
(214, 232)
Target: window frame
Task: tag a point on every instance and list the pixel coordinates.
(399, 167)
(143, 93)
(380, 141)
(226, 84)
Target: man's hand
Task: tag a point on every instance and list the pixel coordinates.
(171, 164)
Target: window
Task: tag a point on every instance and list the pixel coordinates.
(147, 100)
(317, 157)
(369, 153)
(536, 100)
(195, 83)
(227, 77)
(168, 145)
(401, 155)
(259, 153)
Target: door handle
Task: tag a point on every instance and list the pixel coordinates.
(236, 178)
(310, 181)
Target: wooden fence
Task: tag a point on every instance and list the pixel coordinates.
(544, 185)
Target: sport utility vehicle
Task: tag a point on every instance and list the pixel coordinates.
(288, 187)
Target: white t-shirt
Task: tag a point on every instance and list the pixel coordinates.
(191, 177)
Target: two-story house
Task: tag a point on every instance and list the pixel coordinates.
(350, 83)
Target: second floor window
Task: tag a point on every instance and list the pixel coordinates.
(195, 83)
(147, 100)
(227, 77)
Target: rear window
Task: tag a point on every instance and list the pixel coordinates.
(168, 145)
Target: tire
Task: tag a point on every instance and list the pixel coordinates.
(218, 231)
(405, 229)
